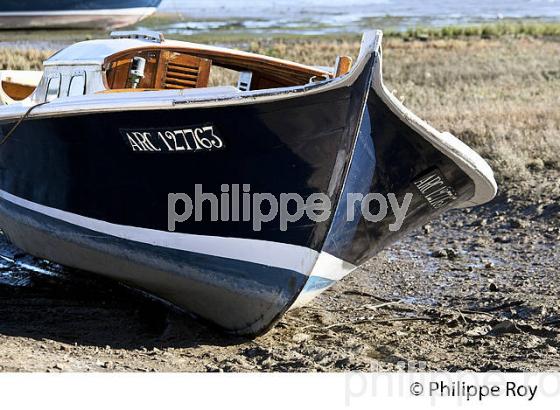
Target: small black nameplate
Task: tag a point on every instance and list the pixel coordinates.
(435, 189)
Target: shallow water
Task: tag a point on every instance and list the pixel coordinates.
(19, 269)
(318, 16)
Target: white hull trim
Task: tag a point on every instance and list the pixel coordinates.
(305, 297)
(328, 269)
(133, 11)
(275, 254)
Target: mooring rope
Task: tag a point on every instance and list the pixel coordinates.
(22, 118)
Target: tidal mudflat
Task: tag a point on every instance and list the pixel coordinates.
(476, 290)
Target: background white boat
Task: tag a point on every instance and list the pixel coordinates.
(24, 14)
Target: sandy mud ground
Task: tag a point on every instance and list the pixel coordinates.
(475, 290)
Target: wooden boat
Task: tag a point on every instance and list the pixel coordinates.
(17, 85)
(26, 14)
(86, 170)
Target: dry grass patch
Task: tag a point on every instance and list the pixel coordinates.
(22, 58)
(501, 96)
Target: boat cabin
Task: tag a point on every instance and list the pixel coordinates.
(145, 61)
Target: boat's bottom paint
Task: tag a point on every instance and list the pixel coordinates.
(74, 18)
(241, 296)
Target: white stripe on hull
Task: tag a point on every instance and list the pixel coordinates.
(328, 268)
(305, 297)
(275, 254)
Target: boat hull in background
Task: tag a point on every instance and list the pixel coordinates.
(100, 14)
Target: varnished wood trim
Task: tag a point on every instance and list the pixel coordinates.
(17, 91)
(343, 65)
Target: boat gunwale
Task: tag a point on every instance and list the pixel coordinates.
(98, 103)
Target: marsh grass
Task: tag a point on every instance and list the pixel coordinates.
(22, 58)
(488, 30)
(501, 96)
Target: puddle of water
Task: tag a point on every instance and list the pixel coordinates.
(419, 300)
(31, 264)
(435, 276)
(20, 270)
(16, 279)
